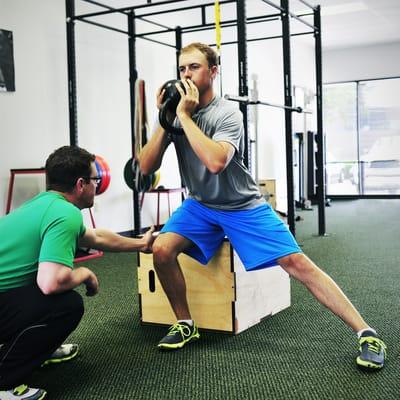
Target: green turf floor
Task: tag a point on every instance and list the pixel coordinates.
(303, 352)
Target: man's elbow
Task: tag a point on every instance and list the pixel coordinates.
(144, 166)
(47, 288)
(54, 284)
(144, 169)
(217, 167)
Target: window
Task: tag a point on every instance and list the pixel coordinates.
(340, 124)
(362, 126)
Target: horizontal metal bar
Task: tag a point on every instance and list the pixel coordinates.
(224, 24)
(293, 15)
(123, 12)
(302, 33)
(161, 3)
(362, 196)
(207, 27)
(307, 4)
(272, 4)
(246, 100)
(154, 23)
(211, 25)
(248, 40)
(102, 26)
(263, 16)
(305, 14)
(261, 38)
(159, 42)
(250, 20)
(230, 23)
(130, 8)
(103, 5)
(192, 28)
(202, 6)
(155, 32)
(302, 20)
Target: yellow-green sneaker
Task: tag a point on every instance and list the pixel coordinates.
(23, 392)
(178, 335)
(64, 353)
(372, 352)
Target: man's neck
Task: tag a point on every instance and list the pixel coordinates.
(206, 99)
(67, 196)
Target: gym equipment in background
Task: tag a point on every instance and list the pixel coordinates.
(136, 180)
(133, 177)
(103, 172)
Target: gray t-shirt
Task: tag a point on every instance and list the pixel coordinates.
(232, 189)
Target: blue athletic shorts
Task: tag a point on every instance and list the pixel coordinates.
(258, 235)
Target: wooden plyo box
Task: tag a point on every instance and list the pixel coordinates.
(268, 187)
(222, 296)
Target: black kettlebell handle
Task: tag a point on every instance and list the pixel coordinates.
(170, 101)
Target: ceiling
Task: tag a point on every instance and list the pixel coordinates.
(345, 23)
(348, 23)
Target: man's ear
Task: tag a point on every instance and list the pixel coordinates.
(79, 185)
(214, 71)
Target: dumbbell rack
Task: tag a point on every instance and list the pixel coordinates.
(81, 254)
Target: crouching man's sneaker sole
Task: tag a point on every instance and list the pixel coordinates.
(178, 335)
(64, 353)
(23, 392)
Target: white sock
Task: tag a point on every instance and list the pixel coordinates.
(188, 321)
(359, 333)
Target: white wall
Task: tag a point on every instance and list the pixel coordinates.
(364, 62)
(34, 118)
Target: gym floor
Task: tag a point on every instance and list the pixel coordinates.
(302, 353)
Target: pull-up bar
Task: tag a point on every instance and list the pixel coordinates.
(161, 3)
(246, 100)
(272, 4)
(96, 3)
(308, 4)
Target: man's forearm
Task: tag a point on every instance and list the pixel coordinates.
(109, 241)
(151, 155)
(210, 152)
(61, 279)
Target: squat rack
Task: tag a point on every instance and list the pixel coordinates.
(284, 14)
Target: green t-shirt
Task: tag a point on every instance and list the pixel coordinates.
(45, 228)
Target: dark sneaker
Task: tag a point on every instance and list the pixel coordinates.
(64, 353)
(178, 335)
(23, 392)
(372, 352)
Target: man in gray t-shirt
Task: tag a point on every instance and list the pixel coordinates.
(234, 187)
(224, 200)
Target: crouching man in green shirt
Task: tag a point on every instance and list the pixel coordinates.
(38, 306)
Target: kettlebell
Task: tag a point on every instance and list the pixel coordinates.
(170, 101)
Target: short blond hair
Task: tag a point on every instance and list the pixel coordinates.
(209, 53)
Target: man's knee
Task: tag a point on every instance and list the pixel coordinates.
(77, 304)
(163, 254)
(296, 262)
(73, 306)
